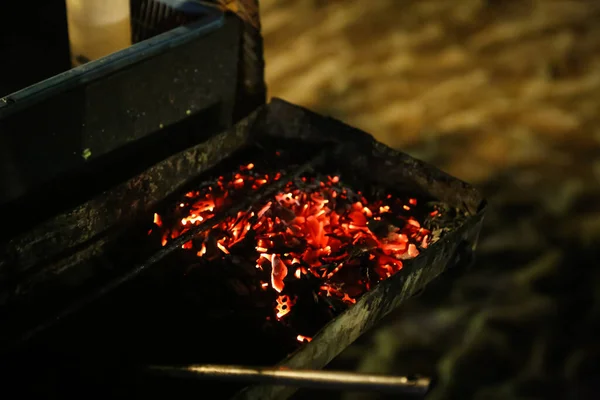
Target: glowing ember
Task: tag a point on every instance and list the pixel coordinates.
(157, 219)
(284, 306)
(302, 338)
(313, 229)
(278, 273)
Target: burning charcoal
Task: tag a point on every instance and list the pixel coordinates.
(301, 257)
(278, 272)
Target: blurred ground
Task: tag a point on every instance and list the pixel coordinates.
(504, 94)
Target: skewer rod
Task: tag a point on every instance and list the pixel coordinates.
(333, 380)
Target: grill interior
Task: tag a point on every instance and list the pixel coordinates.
(185, 310)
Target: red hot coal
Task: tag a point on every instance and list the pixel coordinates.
(316, 228)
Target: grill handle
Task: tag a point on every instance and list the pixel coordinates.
(315, 379)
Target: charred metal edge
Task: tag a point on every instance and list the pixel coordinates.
(372, 306)
(283, 119)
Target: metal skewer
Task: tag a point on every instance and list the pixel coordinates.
(332, 380)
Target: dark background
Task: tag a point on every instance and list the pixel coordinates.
(34, 43)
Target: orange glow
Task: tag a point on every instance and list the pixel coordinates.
(412, 250)
(302, 338)
(278, 272)
(284, 306)
(157, 219)
(318, 229)
(202, 250)
(348, 299)
(222, 247)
